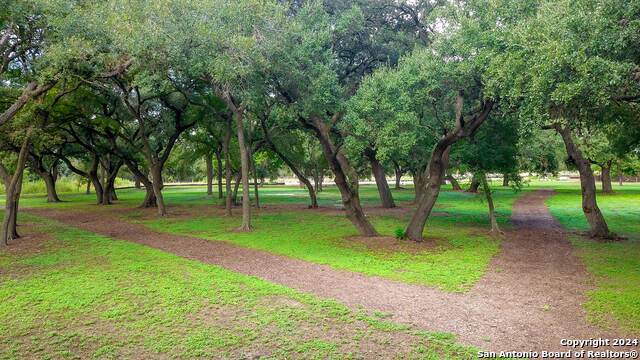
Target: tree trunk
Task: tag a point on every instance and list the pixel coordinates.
(303, 179)
(454, 183)
(255, 182)
(156, 184)
(244, 171)
(427, 199)
(475, 184)
(227, 163)
(209, 162)
(348, 186)
(495, 229)
(398, 172)
(236, 187)
(50, 185)
(419, 185)
(439, 162)
(505, 180)
(88, 191)
(12, 196)
(590, 207)
(137, 183)
(605, 177)
(381, 180)
(219, 173)
(620, 179)
(97, 186)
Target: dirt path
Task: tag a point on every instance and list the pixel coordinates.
(529, 299)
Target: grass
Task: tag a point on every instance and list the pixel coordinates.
(82, 295)
(459, 257)
(615, 265)
(615, 301)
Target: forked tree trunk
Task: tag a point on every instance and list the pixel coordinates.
(439, 163)
(427, 199)
(12, 196)
(348, 185)
(495, 229)
(605, 178)
(455, 185)
(208, 159)
(597, 223)
(219, 173)
(381, 180)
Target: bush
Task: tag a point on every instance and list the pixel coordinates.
(400, 233)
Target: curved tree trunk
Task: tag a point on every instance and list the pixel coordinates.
(381, 180)
(455, 185)
(495, 229)
(590, 207)
(303, 179)
(208, 159)
(348, 185)
(439, 162)
(9, 222)
(427, 198)
(605, 177)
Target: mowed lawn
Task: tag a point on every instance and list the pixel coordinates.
(454, 258)
(68, 293)
(615, 301)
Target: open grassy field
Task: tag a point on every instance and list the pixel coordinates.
(74, 294)
(455, 258)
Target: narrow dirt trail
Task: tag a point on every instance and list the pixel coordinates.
(529, 299)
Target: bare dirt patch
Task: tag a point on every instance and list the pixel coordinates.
(388, 244)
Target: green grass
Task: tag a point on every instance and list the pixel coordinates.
(615, 302)
(81, 295)
(621, 209)
(615, 265)
(459, 226)
(460, 255)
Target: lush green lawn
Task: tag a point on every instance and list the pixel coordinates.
(615, 265)
(81, 295)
